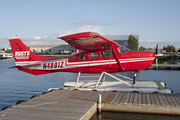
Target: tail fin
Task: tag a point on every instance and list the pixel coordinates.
(22, 54)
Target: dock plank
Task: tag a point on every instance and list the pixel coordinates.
(156, 99)
(115, 97)
(79, 95)
(139, 102)
(131, 99)
(127, 98)
(173, 100)
(135, 101)
(177, 98)
(119, 98)
(88, 95)
(161, 100)
(111, 97)
(107, 97)
(143, 99)
(104, 95)
(153, 103)
(148, 100)
(165, 100)
(168, 97)
(123, 97)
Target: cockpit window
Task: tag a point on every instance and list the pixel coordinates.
(82, 57)
(122, 49)
(72, 56)
(106, 53)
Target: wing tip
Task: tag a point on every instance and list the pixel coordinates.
(80, 34)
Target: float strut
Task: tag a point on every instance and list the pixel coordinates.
(134, 79)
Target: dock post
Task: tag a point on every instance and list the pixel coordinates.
(99, 103)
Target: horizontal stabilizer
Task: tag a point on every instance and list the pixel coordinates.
(19, 66)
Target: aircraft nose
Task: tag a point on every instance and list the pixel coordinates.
(152, 55)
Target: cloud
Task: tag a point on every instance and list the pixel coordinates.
(37, 37)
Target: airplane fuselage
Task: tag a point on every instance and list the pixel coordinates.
(95, 62)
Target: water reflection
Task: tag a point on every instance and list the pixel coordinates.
(132, 116)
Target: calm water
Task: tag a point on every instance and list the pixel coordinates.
(16, 85)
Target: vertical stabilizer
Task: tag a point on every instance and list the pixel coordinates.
(22, 54)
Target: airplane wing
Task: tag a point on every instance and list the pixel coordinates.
(88, 41)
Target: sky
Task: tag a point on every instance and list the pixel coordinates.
(42, 21)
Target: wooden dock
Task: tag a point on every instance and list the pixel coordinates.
(82, 105)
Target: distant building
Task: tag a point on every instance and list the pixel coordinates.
(121, 39)
(52, 48)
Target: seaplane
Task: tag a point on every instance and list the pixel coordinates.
(99, 55)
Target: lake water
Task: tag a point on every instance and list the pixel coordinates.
(17, 85)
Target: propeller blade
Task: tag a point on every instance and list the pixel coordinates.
(156, 52)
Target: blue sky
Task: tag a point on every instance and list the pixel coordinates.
(37, 21)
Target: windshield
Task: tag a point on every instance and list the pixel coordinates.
(122, 49)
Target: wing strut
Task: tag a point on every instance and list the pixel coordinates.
(114, 47)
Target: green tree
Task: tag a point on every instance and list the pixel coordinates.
(3, 49)
(142, 48)
(133, 43)
(169, 48)
(149, 48)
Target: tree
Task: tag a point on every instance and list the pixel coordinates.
(142, 48)
(149, 48)
(169, 48)
(3, 49)
(133, 43)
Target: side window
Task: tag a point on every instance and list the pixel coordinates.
(106, 53)
(93, 55)
(72, 56)
(82, 57)
(119, 50)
